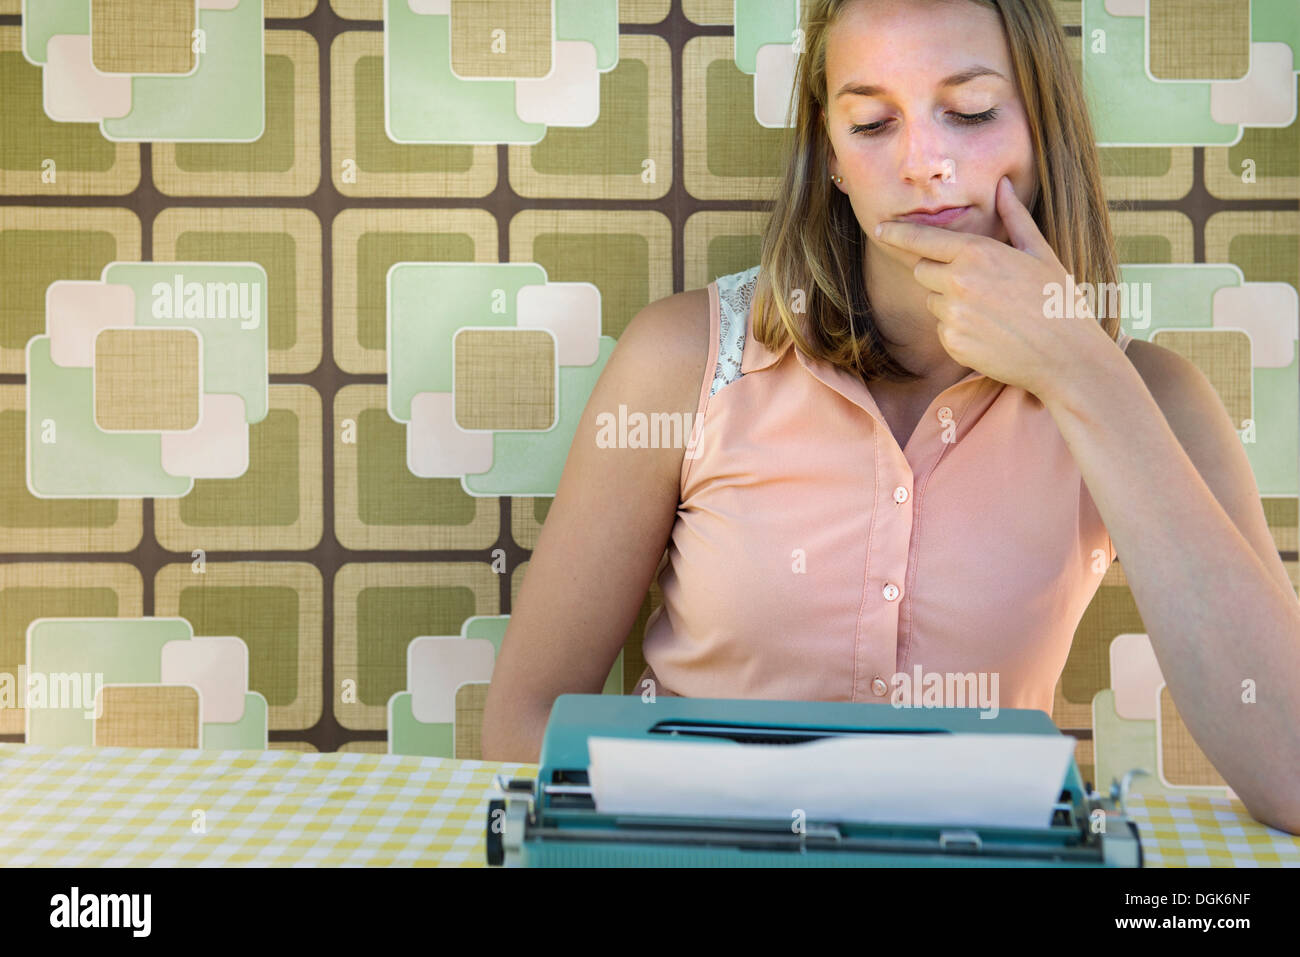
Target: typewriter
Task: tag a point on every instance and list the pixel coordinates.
(554, 820)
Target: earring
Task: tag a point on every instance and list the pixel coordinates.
(838, 179)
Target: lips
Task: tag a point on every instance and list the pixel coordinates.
(943, 217)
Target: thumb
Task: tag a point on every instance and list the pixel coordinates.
(1019, 222)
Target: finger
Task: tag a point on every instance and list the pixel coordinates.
(941, 245)
(937, 303)
(933, 275)
(1019, 222)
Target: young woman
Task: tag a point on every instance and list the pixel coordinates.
(905, 460)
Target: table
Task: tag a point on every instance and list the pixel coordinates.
(171, 807)
(137, 807)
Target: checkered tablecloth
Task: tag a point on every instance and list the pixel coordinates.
(132, 807)
(1185, 831)
(136, 807)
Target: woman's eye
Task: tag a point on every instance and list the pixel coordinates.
(971, 119)
(965, 119)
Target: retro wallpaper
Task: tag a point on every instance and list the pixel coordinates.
(300, 301)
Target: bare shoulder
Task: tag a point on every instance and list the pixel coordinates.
(1172, 378)
(1142, 352)
(1188, 399)
(669, 338)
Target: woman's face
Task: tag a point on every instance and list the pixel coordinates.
(909, 136)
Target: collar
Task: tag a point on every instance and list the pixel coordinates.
(756, 356)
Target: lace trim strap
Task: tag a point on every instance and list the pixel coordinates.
(735, 292)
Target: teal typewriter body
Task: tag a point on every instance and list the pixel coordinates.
(553, 821)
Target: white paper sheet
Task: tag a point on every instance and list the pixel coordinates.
(969, 780)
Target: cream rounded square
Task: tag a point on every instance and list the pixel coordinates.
(774, 72)
(1263, 97)
(1135, 677)
(75, 311)
(436, 447)
(570, 311)
(437, 666)
(73, 91)
(1269, 312)
(570, 96)
(217, 666)
(215, 448)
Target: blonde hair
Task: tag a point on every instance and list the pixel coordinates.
(813, 242)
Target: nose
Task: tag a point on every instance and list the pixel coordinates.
(926, 158)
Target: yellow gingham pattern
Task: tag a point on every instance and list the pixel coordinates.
(134, 807)
(1191, 831)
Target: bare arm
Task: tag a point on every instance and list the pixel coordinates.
(1175, 488)
(611, 519)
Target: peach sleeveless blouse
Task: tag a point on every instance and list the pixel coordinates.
(813, 559)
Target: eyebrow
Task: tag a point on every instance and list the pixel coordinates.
(965, 76)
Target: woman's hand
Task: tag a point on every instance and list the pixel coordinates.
(991, 299)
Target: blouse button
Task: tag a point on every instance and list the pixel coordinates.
(890, 592)
(900, 495)
(879, 687)
(945, 414)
